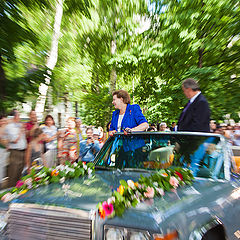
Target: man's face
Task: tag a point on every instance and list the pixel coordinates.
(33, 116)
(117, 102)
(89, 133)
(187, 92)
(17, 117)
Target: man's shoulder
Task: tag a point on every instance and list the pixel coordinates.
(200, 98)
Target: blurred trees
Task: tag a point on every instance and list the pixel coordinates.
(147, 48)
(198, 39)
(15, 31)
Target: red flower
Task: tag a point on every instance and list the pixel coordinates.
(37, 179)
(180, 175)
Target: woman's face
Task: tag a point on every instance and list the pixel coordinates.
(49, 122)
(71, 124)
(117, 102)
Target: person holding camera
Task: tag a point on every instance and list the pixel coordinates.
(127, 117)
(89, 147)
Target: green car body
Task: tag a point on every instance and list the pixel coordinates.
(209, 207)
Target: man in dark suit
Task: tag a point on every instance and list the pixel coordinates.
(195, 116)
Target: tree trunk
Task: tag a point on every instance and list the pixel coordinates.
(51, 60)
(113, 74)
(3, 81)
(200, 57)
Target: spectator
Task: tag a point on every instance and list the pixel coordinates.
(3, 147)
(78, 130)
(89, 147)
(236, 135)
(163, 127)
(127, 117)
(173, 128)
(213, 126)
(34, 152)
(31, 125)
(67, 144)
(151, 129)
(15, 135)
(50, 131)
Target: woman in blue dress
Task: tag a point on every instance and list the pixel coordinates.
(127, 117)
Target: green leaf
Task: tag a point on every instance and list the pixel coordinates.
(124, 183)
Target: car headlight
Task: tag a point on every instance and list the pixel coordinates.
(122, 233)
(138, 236)
(114, 234)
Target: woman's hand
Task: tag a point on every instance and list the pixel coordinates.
(127, 131)
(111, 133)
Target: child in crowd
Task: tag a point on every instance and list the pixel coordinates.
(34, 152)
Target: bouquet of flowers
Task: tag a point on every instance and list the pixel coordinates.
(130, 193)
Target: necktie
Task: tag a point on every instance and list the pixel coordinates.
(184, 110)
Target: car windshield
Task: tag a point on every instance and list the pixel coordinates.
(203, 154)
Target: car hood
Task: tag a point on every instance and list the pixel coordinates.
(86, 193)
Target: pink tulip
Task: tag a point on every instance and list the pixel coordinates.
(108, 208)
(149, 193)
(19, 183)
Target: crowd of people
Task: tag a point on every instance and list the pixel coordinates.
(230, 131)
(24, 145)
(27, 144)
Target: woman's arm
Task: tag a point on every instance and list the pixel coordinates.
(140, 127)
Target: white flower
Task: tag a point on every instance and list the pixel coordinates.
(28, 181)
(111, 200)
(62, 180)
(130, 183)
(89, 171)
(60, 167)
(85, 167)
(160, 191)
(42, 175)
(155, 184)
(75, 164)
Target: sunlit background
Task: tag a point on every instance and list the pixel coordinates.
(66, 57)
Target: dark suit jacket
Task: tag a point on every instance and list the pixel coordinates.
(197, 117)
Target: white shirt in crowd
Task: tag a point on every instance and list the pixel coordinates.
(12, 131)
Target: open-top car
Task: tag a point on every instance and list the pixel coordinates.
(147, 185)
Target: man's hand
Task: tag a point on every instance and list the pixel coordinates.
(111, 133)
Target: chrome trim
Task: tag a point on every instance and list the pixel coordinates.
(76, 212)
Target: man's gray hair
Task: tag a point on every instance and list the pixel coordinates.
(191, 83)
